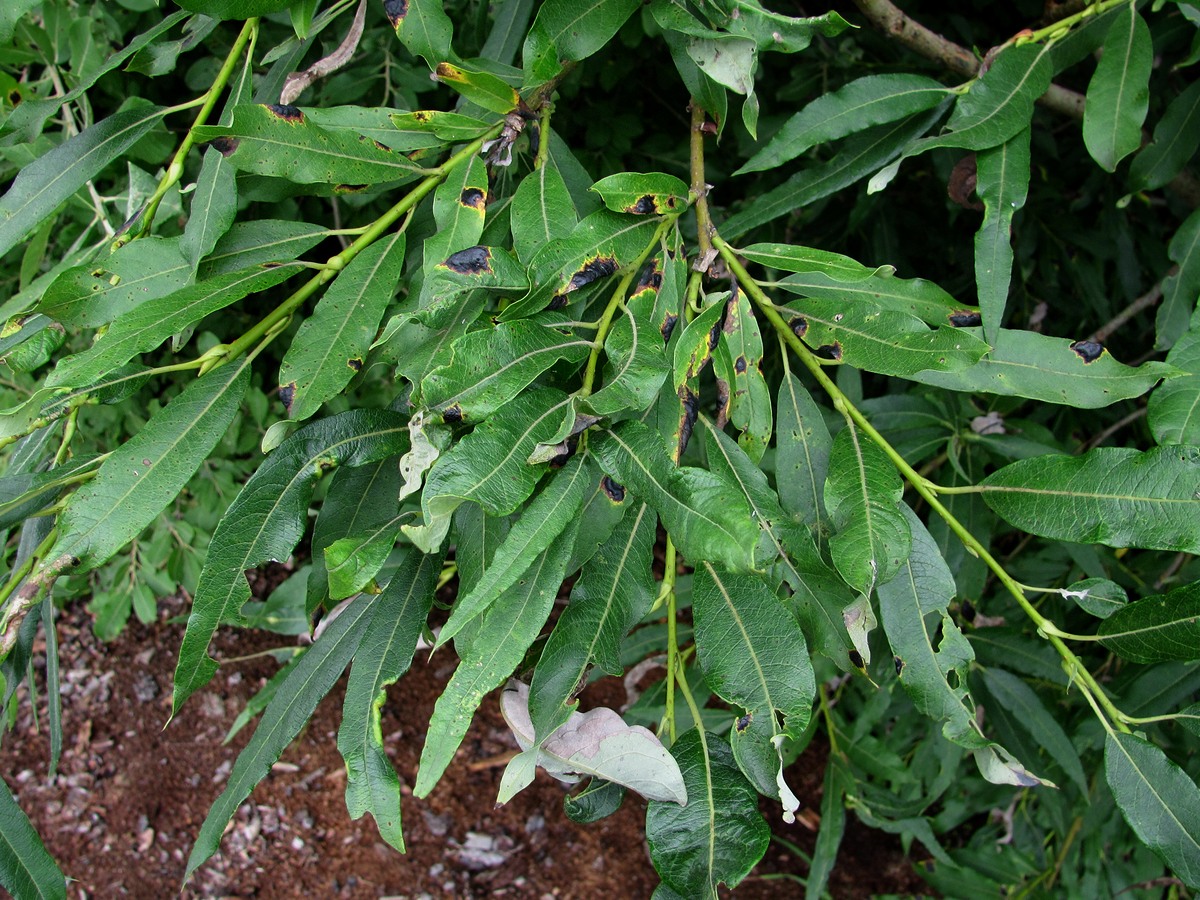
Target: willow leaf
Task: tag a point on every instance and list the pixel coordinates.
(1174, 408)
(1116, 496)
(636, 362)
(384, 655)
(568, 31)
(1176, 138)
(1118, 96)
(872, 537)
(802, 451)
(268, 518)
(613, 592)
(740, 350)
(542, 211)
(881, 290)
(703, 513)
(1181, 288)
(459, 210)
(287, 713)
(496, 649)
(249, 244)
(1155, 629)
(424, 28)
(643, 193)
(1159, 801)
(332, 343)
(148, 471)
(720, 835)
(26, 869)
(1002, 184)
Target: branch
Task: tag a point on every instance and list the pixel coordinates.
(1148, 299)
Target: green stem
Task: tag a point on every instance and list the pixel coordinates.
(919, 484)
(336, 263)
(543, 148)
(1058, 30)
(672, 640)
(691, 702)
(175, 170)
(699, 187)
(64, 446)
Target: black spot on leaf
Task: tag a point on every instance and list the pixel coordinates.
(799, 326)
(651, 278)
(452, 415)
(743, 722)
(739, 365)
(899, 666)
(691, 409)
(615, 492)
(600, 267)
(287, 113)
(965, 319)
(379, 146)
(829, 351)
(722, 403)
(472, 261)
(1088, 351)
(644, 206)
(224, 145)
(355, 363)
(565, 451)
(395, 10)
(668, 327)
(474, 198)
(287, 393)
(558, 301)
(856, 660)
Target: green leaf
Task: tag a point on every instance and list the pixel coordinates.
(599, 800)
(1159, 801)
(720, 835)
(101, 292)
(862, 490)
(1156, 629)
(876, 339)
(802, 451)
(492, 366)
(694, 348)
(1176, 139)
(26, 869)
(1002, 184)
(1173, 410)
(541, 211)
(1023, 363)
(859, 156)
(551, 513)
(703, 513)
(286, 714)
(332, 343)
(1118, 96)
(753, 654)
(235, 9)
(864, 102)
(508, 629)
(612, 594)
(643, 194)
(423, 28)
(490, 465)
(1111, 495)
(1026, 710)
(481, 88)
(1181, 289)
(57, 174)
(740, 351)
(249, 244)
(444, 126)
(838, 782)
(568, 31)
(148, 325)
(493, 268)
(384, 655)
(147, 472)
(795, 258)
(280, 141)
(636, 363)
(268, 518)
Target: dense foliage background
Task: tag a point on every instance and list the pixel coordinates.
(839, 367)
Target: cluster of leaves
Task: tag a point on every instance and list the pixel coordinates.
(549, 327)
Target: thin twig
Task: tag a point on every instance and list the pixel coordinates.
(1148, 299)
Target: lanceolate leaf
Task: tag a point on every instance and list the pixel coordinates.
(802, 451)
(1174, 408)
(154, 321)
(1075, 373)
(248, 244)
(873, 100)
(872, 538)
(459, 209)
(643, 193)
(492, 366)
(423, 27)
(795, 258)
(26, 869)
(499, 645)
(267, 519)
(637, 365)
(286, 714)
(149, 470)
(1118, 95)
(1111, 495)
(613, 592)
(332, 343)
(1157, 628)
(383, 657)
(280, 141)
(547, 516)
(720, 835)
(1181, 289)
(54, 176)
(695, 346)
(879, 340)
(1159, 801)
(910, 296)
(703, 514)
(542, 211)
(481, 88)
(741, 351)
(568, 31)
(1002, 184)
(1176, 137)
